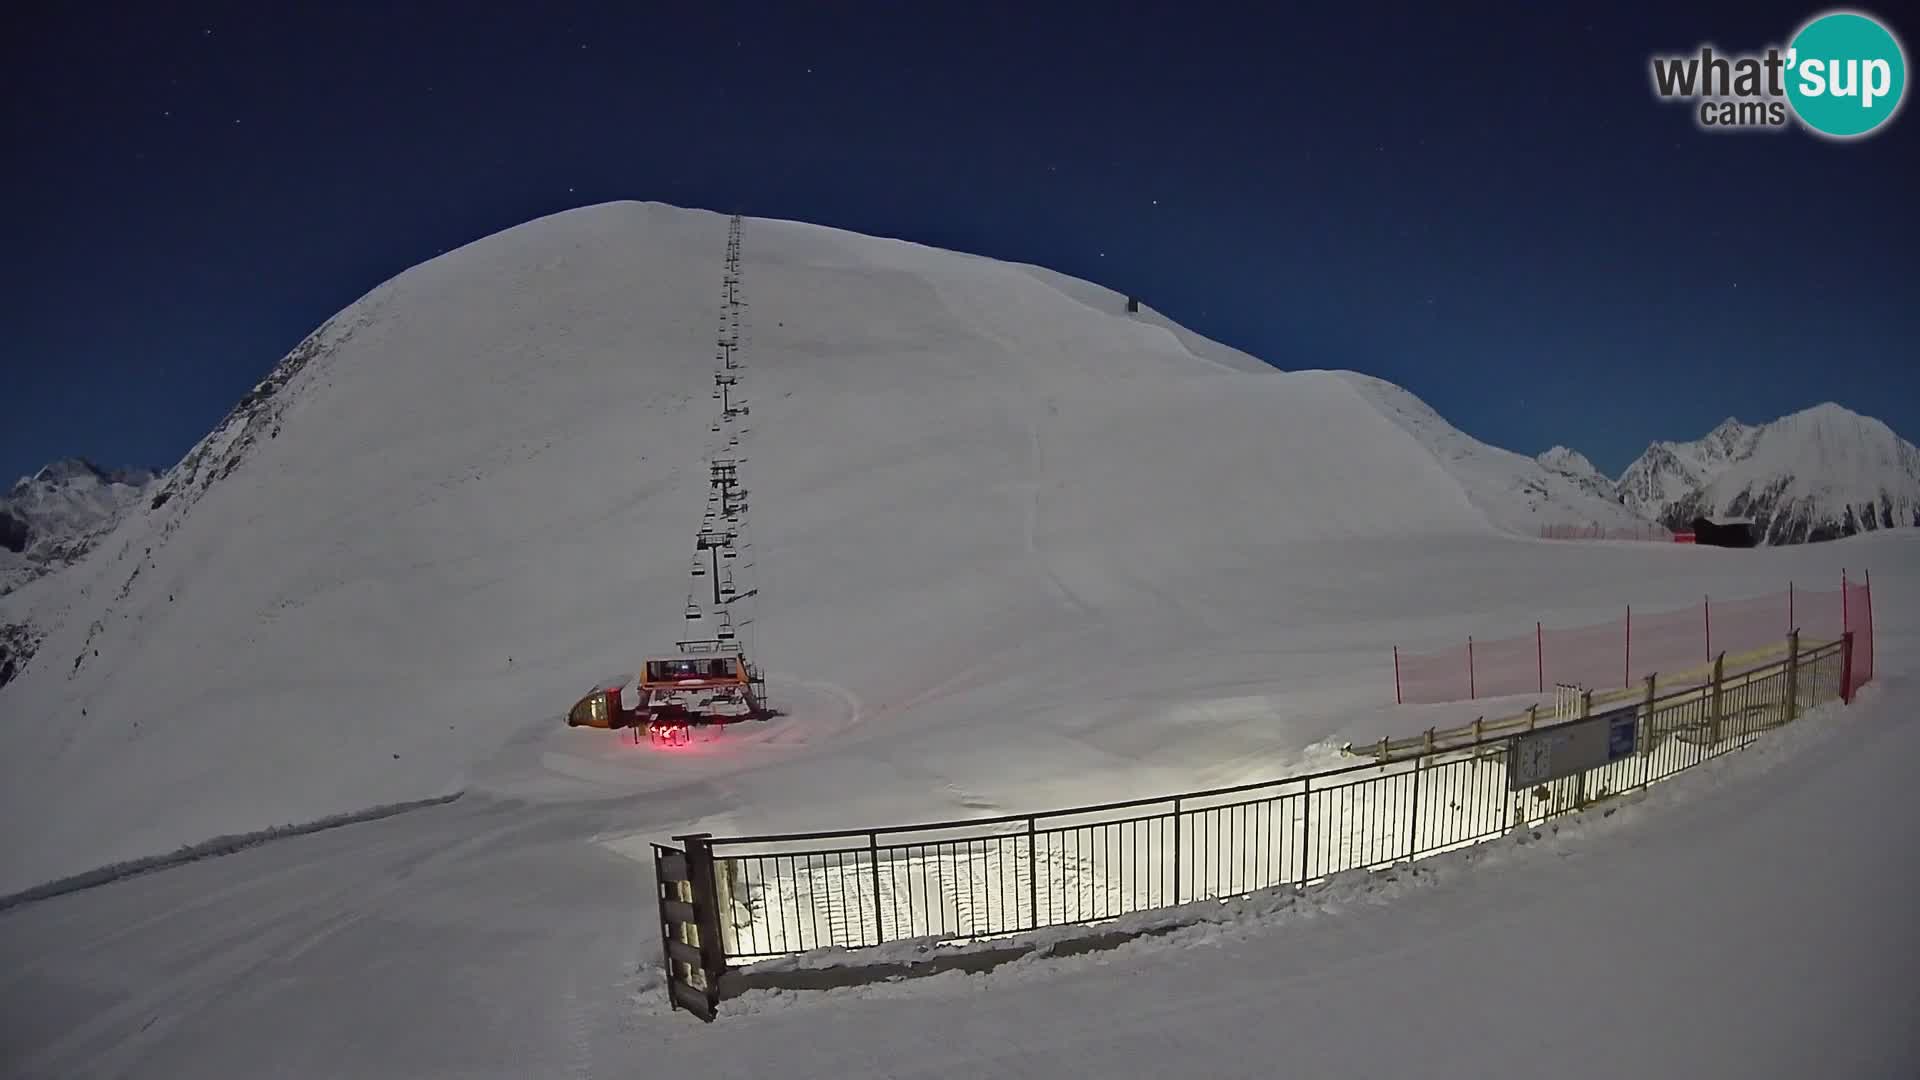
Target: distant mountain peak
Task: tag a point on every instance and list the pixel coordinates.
(1819, 473)
(69, 470)
(50, 519)
(1568, 460)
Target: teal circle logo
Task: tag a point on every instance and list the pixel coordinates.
(1846, 74)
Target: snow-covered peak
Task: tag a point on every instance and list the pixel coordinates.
(51, 518)
(1670, 471)
(1821, 472)
(75, 473)
(1574, 466)
(1564, 459)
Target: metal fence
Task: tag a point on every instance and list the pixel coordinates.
(951, 881)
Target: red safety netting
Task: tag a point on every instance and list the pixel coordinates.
(1649, 532)
(1859, 615)
(1624, 651)
(1593, 656)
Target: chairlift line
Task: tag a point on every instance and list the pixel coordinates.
(712, 681)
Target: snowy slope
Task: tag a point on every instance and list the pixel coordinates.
(1752, 917)
(988, 508)
(50, 519)
(1515, 492)
(1814, 475)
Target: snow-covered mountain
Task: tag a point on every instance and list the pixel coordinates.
(1817, 474)
(990, 507)
(1670, 471)
(1574, 465)
(52, 518)
(1516, 493)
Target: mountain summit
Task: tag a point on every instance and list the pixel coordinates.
(52, 518)
(1817, 474)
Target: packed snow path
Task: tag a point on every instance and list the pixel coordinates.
(1751, 919)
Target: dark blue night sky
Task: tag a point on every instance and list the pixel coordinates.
(1487, 207)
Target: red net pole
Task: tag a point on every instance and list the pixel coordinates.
(1869, 600)
(1706, 615)
(1397, 699)
(1790, 623)
(1846, 669)
(1539, 659)
(1471, 692)
(1628, 680)
(1846, 621)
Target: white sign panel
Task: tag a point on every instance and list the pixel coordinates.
(1561, 751)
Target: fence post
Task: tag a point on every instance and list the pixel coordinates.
(1643, 728)
(1533, 717)
(1306, 831)
(873, 854)
(1033, 878)
(1793, 674)
(1413, 818)
(713, 955)
(1176, 850)
(1586, 704)
(1715, 711)
(1539, 658)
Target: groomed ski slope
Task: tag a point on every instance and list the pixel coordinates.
(1750, 918)
(987, 508)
